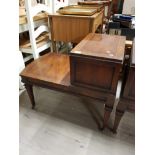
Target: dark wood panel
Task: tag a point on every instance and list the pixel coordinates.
(97, 61)
(96, 74)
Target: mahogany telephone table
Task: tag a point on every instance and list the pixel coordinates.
(91, 70)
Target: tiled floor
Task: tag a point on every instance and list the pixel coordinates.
(62, 124)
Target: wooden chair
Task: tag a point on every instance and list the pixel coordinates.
(38, 38)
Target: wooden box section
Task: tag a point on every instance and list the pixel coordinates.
(96, 62)
(73, 28)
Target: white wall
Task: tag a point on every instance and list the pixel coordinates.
(72, 2)
(129, 7)
(55, 5)
(58, 4)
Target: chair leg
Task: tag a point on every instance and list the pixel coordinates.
(36, 55)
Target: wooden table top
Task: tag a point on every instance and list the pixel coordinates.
(102, 46)
(76, 16)
(53, 68)
(103, 2)
(98, 7)
(53, 71)
(77, 11)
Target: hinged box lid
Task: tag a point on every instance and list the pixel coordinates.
(101, 46)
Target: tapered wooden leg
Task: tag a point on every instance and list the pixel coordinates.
(29, 89)
(120, 109)
(108, 109)
(118, 116)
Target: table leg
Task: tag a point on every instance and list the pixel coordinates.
(108, 110)
(29, 89)
(106, 117)
(120, 109)
(118, 116)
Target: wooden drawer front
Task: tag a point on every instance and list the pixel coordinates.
(70, 29)
(95, 74)
(129, 90)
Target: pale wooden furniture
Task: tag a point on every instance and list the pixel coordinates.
(72, 10)
(98, 7)
(39, 19)
(73, 28)
(23, 23)
(106, 4)
(39, 38)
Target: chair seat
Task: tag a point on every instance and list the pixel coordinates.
(40, 16)
(40, 41)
